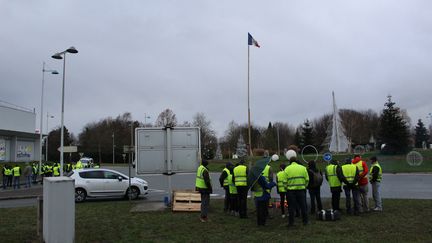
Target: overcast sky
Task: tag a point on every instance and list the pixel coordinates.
(191, 56)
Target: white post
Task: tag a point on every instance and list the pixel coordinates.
(58, 210)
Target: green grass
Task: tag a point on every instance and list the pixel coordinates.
(389, 163)
(112, 221)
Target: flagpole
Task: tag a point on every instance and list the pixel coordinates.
(249, 122)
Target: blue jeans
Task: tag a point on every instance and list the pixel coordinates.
(4, 181)
(376, 194)
(16, 182)
(28, 181)
(356, 198)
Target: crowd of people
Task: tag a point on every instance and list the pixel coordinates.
(12, 174)
(292, 183)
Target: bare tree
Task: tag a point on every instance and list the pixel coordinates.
(166, 118)
(208, 135)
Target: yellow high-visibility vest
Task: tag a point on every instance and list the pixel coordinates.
(379, 172)
(333, 180)
(297, 177)
(199, 182)
(349, 171)
(240, 175)
(225, 182)
(232, 187)
(281, 181)
(16, 171)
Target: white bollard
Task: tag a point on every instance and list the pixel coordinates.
(59, 210)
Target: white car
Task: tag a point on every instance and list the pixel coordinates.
(105, 183)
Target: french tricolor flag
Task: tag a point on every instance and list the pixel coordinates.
(252, 41)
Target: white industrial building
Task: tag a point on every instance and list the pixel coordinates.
(19, 141)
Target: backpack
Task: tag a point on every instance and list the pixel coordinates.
(317, 179)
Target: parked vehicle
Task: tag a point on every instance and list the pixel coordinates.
(99, 183)
(87, 162)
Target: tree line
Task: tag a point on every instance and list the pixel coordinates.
(104, 140)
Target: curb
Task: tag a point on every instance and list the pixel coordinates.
(18, 197)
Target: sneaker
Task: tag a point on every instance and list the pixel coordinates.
(283, 216)
(377, 209)
(203, 220)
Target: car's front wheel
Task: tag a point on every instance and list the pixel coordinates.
(134, 193)
(80, 195)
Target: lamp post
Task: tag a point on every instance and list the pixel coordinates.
(41, 113)
(113, 147)
(59, 56)
(145, 119)
(278, 141)
(46, 140)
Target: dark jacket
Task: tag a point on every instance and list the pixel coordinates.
(374, 173)
(263, 183)
(222, 177)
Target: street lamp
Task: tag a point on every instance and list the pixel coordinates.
(113, 147)
(46, 140)
(145, 119)
(59, 56)
(41, 113)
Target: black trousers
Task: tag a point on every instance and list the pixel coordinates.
(336, 194)
(315, 196)
(356, 198)
(261, 212)
(234, 203)
(283, 196)
(227, 206)
(297, 198)
(242, 199)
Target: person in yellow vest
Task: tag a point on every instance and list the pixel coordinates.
(204, 187)
(261, 190)
(350, 177)
(297, 181)
(35, 172)
(48, 170)
(375, 178)
(362, 183)
(56, 169)
(233, 194)
(333, 175)
(268, 176)
(79, 165)
(16, 173)
(223, 181)
(240, 173)
(7, 173)
(281, 181)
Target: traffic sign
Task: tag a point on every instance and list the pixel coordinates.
(68, 149)
(327, 157)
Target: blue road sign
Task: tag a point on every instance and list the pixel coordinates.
(327, 157)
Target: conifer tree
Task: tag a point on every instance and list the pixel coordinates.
(421, 134)
(393, 130)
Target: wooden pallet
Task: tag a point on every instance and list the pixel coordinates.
(188, 201)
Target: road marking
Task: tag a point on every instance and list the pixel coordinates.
(156, 190)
